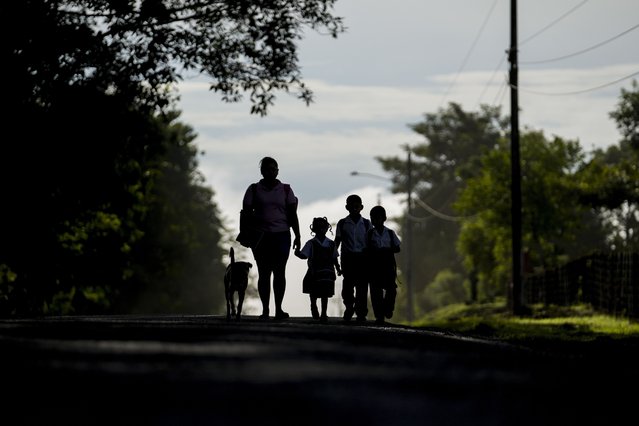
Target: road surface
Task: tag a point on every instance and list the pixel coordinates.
(204, 370)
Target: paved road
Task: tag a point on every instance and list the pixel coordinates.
(203, 370)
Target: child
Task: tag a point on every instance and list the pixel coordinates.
(351, 234)
(382, 244)
(319, 281)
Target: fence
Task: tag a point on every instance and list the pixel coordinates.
(607, 281)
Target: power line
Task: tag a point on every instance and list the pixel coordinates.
(491, 78)
(551, 24)
(441, 215)
(502, 92)
(576, 92)
(470, 51)
(419, 218)
(584, 50)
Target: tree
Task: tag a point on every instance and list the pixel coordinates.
(454, 141)
(446, 289)
(101, 201)
(177, 263)
(555, 225)
(627, 116)
(610, 180)
(119, 222)
(72, 196)
(142, 47)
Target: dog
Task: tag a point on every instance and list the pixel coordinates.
(235, 281)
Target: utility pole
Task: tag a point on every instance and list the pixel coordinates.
(408, 238)
(515, 189)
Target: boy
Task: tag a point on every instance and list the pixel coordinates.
(351, 235)
(382, 244)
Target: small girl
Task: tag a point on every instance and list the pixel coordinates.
(319, 281)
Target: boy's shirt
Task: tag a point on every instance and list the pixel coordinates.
(381, 251)
(387, 239)
(352, 234)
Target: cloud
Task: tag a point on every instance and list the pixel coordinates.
(334, 105)
(345, 114)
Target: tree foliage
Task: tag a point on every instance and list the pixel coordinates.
(103, 207)
(446, 289)
(555, 225)
(627, 115)
(142, 47)
(177, 264)
(573, 202)
(104, 213)
(610, 180)
(453, 143)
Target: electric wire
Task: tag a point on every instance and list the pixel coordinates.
(551, 24)
(492, 77)
(583, 50)
(470, 51)
(502, 90)
(576, 92)
(441, 215)
(503, 93)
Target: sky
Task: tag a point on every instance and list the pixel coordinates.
(396, 62)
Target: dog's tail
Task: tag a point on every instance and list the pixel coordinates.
(232, 255)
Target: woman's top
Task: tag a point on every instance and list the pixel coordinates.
(271, 205)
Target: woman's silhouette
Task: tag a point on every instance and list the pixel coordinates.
(275, 208)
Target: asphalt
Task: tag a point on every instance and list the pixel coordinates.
(205, 370)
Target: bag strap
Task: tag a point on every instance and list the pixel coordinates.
(254, 196)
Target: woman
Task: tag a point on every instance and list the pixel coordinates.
(275, 208)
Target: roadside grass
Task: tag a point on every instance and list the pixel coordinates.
(543, 324)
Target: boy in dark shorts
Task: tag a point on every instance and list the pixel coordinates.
(382, 244)
(350, 234)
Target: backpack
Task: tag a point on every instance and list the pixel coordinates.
(321, 271)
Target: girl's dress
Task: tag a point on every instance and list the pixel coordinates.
(319, 280)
